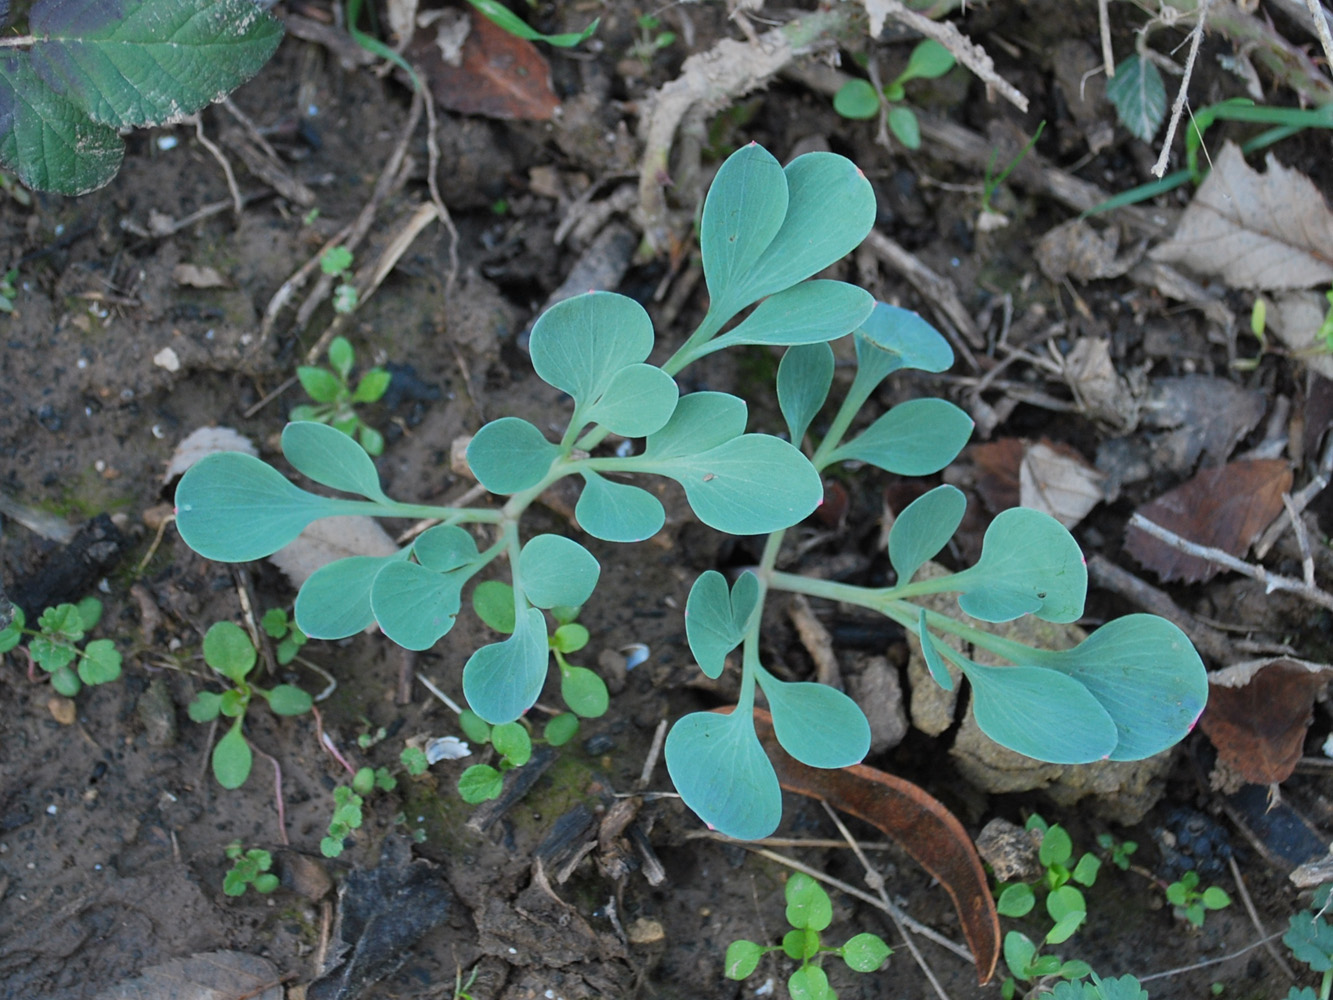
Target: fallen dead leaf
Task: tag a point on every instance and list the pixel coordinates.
(205, 441)
(1224, 508)
(328, 539)
(1100, 391)
(1266, 231)
(1058, 481)
(1295, 318)
(997, 465)
(1075, 250)
(198, 276)
(214, 975)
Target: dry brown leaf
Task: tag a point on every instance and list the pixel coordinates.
(198, 276)
(214, 975)
(328, 539)
(1258, 713)
(997, 463)
(1224, 508)
(1266, 231)
(1295, 318)
(1059, 483)
(1098, 388)
(205, 441)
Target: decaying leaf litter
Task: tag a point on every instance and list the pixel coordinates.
(1108, 382)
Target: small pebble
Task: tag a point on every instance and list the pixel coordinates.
(62, 710)
(645, 931)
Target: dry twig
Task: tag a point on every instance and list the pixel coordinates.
(1177, 108)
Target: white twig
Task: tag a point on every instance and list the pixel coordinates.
(1196, 36)
(1321, 29)
(430, 686)
(1104, 24)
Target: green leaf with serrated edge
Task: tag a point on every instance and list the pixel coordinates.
(493, 602)
(751, 485)
(228, 650)
(320, 384)
(1145, 673)
(512, 741)
(414, 606)
(584, 692)
(509, 454)
(892, 338)
(493, 10)
(63, 622)
(742, 959)
(288, 699)
(638, 400)
(232, 758)
(716, 619)
(702, 420)
(915, 438)
(480, 783)
(804, 377)
(148, 62)
(50, 656)
(1040, 713)
(445, 547)
(100, 663)
(561, 729)
(372, 387)
(923, 528)
(928, 61)
(1018, 953)
(818, 725)
(556, 570)
(904, 125)
(865, 952)
(1016, 901)
(721, 771)
(617, 512)
(813, 312)
(1122, 988)
(502, 681)
(232, 507)
(205, 707)
(47, 139)
(334, 602)
(857, 100)
(332, 459)
(579, 345)
(742, 213)
(808, 905)
(1138, 93)
(809, 982)
(1310, 939)
(1030, 564)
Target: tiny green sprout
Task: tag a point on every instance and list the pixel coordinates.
(229, 651)
(249, 869)
(336, 262)
(1325, 332)
(9, 289)
(414, 760)
(1193, 902)
(347, 816)
(54, 645)
(809, 911)
(336, 399)
(859, 98)
(284, 631)
(1120, 852)
(650, 40)
(992, 181)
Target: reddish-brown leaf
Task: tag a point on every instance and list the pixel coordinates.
(1258, 713)
(997, 465)
(499, 76)
(925, 829)
(1224, 508)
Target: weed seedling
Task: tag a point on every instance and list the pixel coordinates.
(1119, 852)
(336, 262)
(650, 40)
(249, 869)
(1310, 939)
(9, 290)
(1193, 903)
(54, 645)
(860, 99)
(809, 911)
(335, 398)
(283, 631)
(229, 651)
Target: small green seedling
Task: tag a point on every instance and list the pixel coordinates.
(336, 262)
(229, 651)
(859, 99)
(992, 181)
(1310, 939)
(347, 816)
(249, 869)
(414, 761)
(282, 630)
(9, 290)
(1192, 902)
(1119, 852)
(650, 40)
(809, 911)
(54, 645)
(335, 398)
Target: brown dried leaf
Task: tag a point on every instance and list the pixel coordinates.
(1268, 231)
(328, 539)
(199, 276)
(1258, 713)
(1224, 508)
(997, 464)
(1059, 482)
(215, 975)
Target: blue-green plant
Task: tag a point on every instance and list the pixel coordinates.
(336, 399)
(809, 911)
(229, 651)
(249, 869)
(859, 98)
(54, 645)
(1130, 690)
(83, 71)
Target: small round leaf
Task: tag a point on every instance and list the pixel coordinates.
(228, 650)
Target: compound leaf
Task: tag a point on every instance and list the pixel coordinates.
(445, 547)
(147, 62)
(415, 606)
(923, 528)
(578, 345)
(892, 338)
(334, 602)
(742, 213)
(638, 400)
(721, 771)
(231, 507)
(804, 377)
(617, 512)
(701, 420)
(1139, 95)
(232, 758)
(818, 725)
(556, 571)
(1030, 564)
(812, 312)
(914, 438)
(510, 454)
(331, 458)
(502, 681)
(716, 620)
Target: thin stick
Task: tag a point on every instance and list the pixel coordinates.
(270, 397)
(433, 183)
(1211, 961)
(1300, 499)
(430, 686)
(1244, 893)
(327, 742)
(1316, 10)
(1104, 24)
(1271, 581)
(654, 752)
(237, 202)
(1196, 36)
(277, 796)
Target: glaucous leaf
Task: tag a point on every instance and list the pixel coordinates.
(502, 681)
(584, 692)
(818, 725)
(445, 547)
(742, 213)
(934, 658)
(232, 758)
(228, 650)
(617, 512)
(288, 699)
(717, 619)
(804, 378)
(892, 338)
(334, 602)
(701, 420)
(812, 312)
(331, 458)
(1030, 564)
(721, 771)
(915, 438)
(555, 570)
(923, 528)
(579, 345)
(232, 507)
(415, 606)
(509, 454)
(637, 401)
